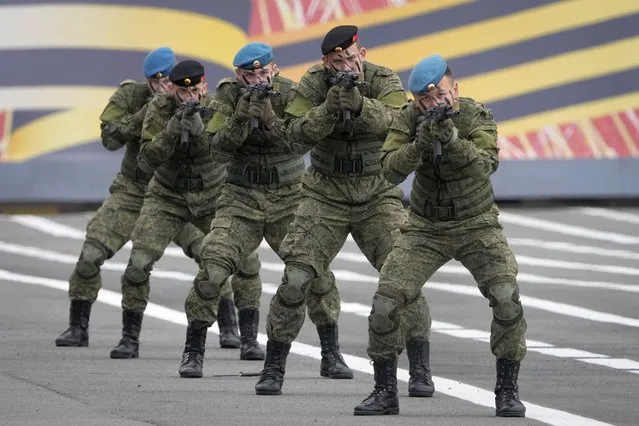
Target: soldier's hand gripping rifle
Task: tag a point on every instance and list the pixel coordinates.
(189, 108)
(261, 91)
(437, 114)
(347, 80)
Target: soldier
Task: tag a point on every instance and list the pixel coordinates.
(452, 215)
(344, 191)
(111, 227)
(185, 184)
(262, 191)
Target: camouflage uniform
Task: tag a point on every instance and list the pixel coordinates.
(452, 216)
(184, 188)
(344, 191)
(259, 200)
(111, 226)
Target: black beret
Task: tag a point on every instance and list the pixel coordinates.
(339, 38)
(187, 73)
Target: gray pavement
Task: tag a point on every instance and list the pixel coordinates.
(42, 384)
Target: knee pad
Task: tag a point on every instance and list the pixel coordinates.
(139, 268)
(297, 279)
(383, 317)
(92, 256)
(208, 285)
(504, 300)
(250, 266)
(323, 285)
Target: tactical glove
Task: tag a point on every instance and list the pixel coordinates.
(193, 124)
(350, 99)
(333, 100)
(137, 119)
(445, 131)
(262, 109)
(242, 107)
(423, 137)
(174, 126)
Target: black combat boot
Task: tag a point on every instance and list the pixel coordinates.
(332, 365)
(130, 341)
(227, 322)
(507, 403)
(78, 332)
(420, 383)
(383, 400)
(193, 355)
(249, 321)
(272, 376)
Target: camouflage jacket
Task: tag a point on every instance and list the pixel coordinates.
(176, 164)
(459, 183)
(255, 157)
(121, 124)
(311, 122)
(230, 134)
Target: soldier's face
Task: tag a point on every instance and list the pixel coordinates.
(260, 75)
(350, 59)
(192, 93)
(160, 85)
(446, 92)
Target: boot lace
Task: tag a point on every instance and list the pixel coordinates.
(269, 374)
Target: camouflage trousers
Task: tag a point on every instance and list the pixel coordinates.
(244, 217)
(480, 245)
(109, 230)
(164, 213)
(318, 233)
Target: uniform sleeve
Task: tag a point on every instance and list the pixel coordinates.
(478, 155)
(227, 131)
(118, 124)
(400, 157)
(157, 144)
(377, 112)
(308, 123)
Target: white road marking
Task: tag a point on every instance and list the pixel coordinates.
(348, 307)
(445, 386)
(564, 229)
(48, 226)
(345, 275)
(574, 248)
(51, 227)
(610, 214)
(455, 267)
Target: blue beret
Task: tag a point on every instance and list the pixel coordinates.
(253, 56)
(159, 62)
(428, 71)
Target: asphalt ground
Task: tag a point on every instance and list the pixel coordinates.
(578, 280)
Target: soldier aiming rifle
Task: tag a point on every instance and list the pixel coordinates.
(260, 91)
(190, 108)
(437, 114)
(347, 80)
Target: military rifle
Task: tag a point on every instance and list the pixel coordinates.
(347, 80)
(261, 91)
(437, 114)
(190, 108)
